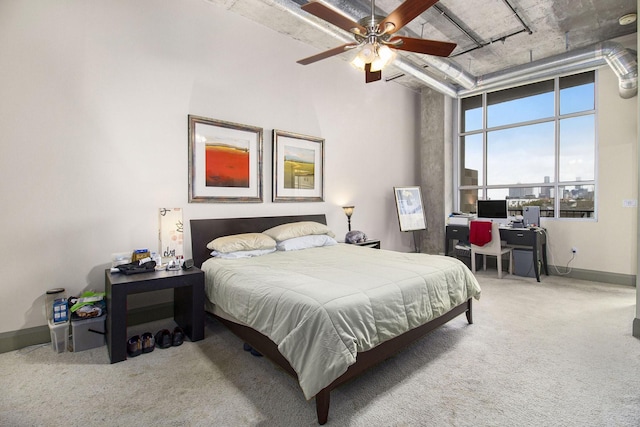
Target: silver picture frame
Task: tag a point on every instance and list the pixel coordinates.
(298, 167)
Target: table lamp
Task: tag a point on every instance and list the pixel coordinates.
(348, 211)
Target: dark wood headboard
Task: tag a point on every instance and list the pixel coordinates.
(205, 230)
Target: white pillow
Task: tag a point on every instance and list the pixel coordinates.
(241, 242)
(297, 229)
(305, 242)
(242, 254)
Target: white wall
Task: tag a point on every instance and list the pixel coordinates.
(636, 328)
(93, 132)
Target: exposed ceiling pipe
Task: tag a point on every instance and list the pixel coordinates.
(295, 10)
(416, 71)
(621, 60)
(624, 63)
(518, 17)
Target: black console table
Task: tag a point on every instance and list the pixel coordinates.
(188, 303)
(533, 239)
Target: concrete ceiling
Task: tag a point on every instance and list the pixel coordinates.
(491, 35)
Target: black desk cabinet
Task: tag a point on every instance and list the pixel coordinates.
(533, 239)
(188, 300)
(455, 232)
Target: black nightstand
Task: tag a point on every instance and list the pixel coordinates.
(373, 243)
(188, 303)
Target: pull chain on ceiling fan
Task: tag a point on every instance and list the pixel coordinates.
(374, 36)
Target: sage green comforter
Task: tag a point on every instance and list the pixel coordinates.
(322, 306)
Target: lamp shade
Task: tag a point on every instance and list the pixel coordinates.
(348, 210)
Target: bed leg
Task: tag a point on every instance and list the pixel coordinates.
(469, 312)
(322, 406)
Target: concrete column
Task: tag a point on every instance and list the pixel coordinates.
(436, 165)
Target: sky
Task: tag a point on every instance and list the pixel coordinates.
(526, 154)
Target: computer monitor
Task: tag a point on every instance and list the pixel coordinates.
(492, 209)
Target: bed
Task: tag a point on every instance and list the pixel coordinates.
(352, 330)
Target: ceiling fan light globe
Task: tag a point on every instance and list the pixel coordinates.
(367, 53)
(384, 57)
(358, 63)
(377, 65)
(385, 53)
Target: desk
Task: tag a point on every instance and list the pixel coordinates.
(534, 240)
(188, 303)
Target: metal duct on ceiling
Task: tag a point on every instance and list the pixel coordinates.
(622, 61)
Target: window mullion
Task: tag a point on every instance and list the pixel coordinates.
(556, 186)
(485, 148)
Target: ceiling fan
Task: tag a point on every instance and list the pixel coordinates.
(374, 36)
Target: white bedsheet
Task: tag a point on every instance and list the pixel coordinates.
(322, 306)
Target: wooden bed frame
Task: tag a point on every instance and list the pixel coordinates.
(205, 230)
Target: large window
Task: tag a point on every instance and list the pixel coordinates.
(533, 145)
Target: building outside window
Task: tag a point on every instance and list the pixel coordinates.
(533, 145)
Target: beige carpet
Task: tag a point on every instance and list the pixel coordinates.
(556, 353)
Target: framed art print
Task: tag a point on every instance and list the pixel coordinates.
(225, 161)
(410, 208)
(298, 167)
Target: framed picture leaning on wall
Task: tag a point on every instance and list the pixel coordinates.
(225, 161)
(410, 208)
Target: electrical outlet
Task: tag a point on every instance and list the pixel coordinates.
(574, 250)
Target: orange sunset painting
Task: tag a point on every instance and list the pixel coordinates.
(227, 163)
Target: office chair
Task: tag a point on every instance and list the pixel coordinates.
(484, 237)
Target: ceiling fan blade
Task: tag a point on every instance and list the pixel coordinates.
(371, 76)
(406, 13)
(430, 47)
(323, 12)
(326, 54)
